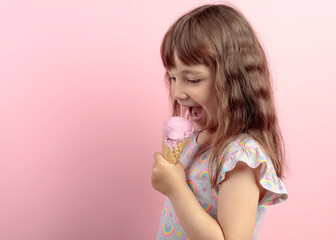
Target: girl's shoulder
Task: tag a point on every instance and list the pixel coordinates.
(246, 149)
(245, 142)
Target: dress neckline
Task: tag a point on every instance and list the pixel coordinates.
(195, 140)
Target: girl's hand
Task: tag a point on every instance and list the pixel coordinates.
(165, 176)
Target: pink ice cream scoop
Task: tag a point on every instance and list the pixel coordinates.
(175, 131)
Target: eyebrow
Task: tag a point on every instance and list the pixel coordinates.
(191, 71)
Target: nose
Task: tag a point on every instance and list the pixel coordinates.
(177, 90)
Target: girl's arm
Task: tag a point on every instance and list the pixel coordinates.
(196, 222)
(170, 180)
(238, 202)
(236, 208)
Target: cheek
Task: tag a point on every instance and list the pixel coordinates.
(208, 106)
(171, 88)
(211, 104)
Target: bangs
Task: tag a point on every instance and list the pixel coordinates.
(188, 39)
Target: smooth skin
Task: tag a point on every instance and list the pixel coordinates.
(239, 193)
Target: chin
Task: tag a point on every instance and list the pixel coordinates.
(199, 126)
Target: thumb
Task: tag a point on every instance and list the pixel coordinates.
(158, 157)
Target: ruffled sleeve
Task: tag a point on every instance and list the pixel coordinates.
(247, 150)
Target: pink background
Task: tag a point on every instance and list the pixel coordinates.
(82, 100)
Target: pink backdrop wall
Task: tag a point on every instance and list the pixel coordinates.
(82, 100)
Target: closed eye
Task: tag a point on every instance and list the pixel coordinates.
(193, 81)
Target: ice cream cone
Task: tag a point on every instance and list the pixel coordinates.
(172, 154)
(176, 132)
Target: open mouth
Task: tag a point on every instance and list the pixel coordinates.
(196, 113)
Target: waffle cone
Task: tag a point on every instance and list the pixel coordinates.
(173, 154)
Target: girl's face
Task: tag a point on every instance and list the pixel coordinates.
(192, 87)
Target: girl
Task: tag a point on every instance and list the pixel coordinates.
(230, 170)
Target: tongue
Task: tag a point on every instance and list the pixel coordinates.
(196, 111)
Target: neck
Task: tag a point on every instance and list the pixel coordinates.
(205, 137)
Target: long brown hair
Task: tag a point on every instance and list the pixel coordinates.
(220, 37)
